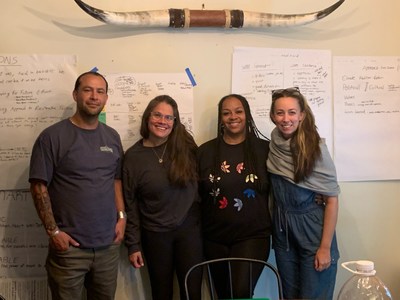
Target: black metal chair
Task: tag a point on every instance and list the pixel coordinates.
(206, 266)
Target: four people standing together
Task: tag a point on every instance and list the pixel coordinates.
(185, 204)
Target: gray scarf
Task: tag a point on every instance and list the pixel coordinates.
(322, 180)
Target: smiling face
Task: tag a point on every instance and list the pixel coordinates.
(287, 115)
(233, 119)
(160, 123)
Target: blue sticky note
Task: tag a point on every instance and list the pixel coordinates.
(94, 69)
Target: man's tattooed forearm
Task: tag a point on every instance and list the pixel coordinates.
(42, 202)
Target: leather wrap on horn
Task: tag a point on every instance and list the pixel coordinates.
(185, 18)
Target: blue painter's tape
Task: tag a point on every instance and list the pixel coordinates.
(189, 74)
(94, 69)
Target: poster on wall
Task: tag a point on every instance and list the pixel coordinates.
(129, 94)
(35, 92)
(256, 72)
(367, 118)
(23, 248)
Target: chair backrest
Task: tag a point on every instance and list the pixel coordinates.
(206, 266)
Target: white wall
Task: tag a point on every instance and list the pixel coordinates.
(368, 221)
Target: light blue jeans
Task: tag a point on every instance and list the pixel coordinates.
(70, 272)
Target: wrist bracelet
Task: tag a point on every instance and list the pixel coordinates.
(121, 214)
(54, 233)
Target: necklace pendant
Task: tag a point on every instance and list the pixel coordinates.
(160, 158)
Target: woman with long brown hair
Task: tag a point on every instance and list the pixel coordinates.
(162, 202)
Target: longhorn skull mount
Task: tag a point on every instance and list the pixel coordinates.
(185, 18)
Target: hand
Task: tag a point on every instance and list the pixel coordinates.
(322, 259)
(119, 230)
(136, 259)
(62, 240)
(319, 199)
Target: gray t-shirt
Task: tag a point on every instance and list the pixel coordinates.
(80, 167)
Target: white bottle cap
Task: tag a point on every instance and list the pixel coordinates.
(362, 267)
(365, 266)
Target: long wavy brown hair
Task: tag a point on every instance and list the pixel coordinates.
(304, 143)
(181, 147)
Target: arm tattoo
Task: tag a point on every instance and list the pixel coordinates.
(42, 202)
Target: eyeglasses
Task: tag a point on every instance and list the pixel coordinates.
(284, 92)
(159, 116)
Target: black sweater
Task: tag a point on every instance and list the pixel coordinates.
(151, 201)
(239, 209)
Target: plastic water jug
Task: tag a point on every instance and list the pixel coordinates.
(364, 284)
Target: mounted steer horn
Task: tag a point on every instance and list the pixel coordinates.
(184, 18)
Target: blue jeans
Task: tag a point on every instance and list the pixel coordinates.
(70, 272)
(297, 231)
(300, 280)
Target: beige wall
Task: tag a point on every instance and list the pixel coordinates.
(368, 221)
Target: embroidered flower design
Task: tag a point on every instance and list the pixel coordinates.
(238, 204)
(250, 193)
(239, 168)
(215, 193)
(211, 177)
(223, 203)
(225, 167)
(251, 177)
